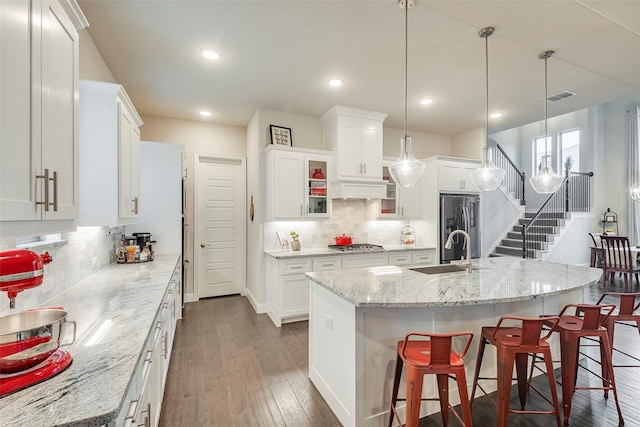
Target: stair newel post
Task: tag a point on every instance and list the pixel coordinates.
(566, 191)
(524, 240)
(523, 200)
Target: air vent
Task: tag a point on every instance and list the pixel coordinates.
(560, 95)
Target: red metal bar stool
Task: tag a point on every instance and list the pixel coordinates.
(513, 345)
(587, 322)
(432, 356)
(627, 311)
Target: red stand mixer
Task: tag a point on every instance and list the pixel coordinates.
(29, 340)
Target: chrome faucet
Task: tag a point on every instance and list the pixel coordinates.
(465, 263)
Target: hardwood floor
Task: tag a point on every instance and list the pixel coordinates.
(231, 367)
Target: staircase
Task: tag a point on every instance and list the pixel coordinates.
(544, 233)
(572, 196)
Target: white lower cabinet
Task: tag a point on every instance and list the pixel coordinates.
(143, 403)
(288, 287)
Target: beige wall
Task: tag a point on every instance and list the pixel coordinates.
(92, 66)
(424, 144)
(469, 144)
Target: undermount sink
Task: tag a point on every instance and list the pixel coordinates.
(437, 269)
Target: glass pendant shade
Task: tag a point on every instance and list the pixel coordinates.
(488, 176)
(634, 192)
(407, 170)
(546, 181)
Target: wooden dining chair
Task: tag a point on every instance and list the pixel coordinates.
(617, 258)
(596, 250)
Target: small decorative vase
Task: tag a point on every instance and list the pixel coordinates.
(295, 245)
(318, 174)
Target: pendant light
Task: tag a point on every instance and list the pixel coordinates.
(488, 176)
(546, 181)
(407, 170)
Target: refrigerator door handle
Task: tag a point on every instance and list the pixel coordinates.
(465, 216)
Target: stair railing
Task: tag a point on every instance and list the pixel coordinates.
(578, 191)
(535, 232)
(514, 179)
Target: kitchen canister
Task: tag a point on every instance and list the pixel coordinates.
(408, 236)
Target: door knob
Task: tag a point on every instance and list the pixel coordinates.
(202, 245)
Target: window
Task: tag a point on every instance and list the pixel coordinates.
(539, 152)
(570, 149)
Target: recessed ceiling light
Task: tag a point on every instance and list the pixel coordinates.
(204, 113)
(209, 53)
(496, 115)
(335, 82)
(427, 101)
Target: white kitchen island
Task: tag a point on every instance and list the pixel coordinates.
(358, 315)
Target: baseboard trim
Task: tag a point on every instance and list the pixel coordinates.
(259, 308)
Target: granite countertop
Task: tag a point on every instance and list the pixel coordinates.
(318, 252)
(92, 389)
(493, 280)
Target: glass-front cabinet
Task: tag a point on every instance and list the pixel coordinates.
(317, 187)
(398, 203)
(389, 205)
(297, 183)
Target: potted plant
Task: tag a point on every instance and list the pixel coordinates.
(295, 242)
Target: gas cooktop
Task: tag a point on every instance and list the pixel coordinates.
(357, 247)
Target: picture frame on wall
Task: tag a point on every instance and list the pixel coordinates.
(281, 136)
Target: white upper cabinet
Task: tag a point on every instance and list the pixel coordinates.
(38, 110)
(109, 155)
(455, 175)
(355, 137)
(297, 183)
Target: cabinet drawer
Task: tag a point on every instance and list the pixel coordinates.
(328, 263)
(400, 259)
(295, 266)
(423, 258)
(359, 261)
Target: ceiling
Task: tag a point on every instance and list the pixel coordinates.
(278, 55)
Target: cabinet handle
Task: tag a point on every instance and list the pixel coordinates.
(55, 191)
(364, 168)
(327, 265)
(300, 210)
(164, 339)
(45, 203)
(147, 422)
(135, 205)
(402, 210)
(133, 408)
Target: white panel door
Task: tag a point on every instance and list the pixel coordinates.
(220, 228)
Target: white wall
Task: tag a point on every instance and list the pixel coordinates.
(615, 163)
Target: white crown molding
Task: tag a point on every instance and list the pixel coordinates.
(75, 13)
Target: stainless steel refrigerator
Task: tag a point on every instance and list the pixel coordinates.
(459, 212)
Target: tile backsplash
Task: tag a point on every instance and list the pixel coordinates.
(71, 262)
(347, 217)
